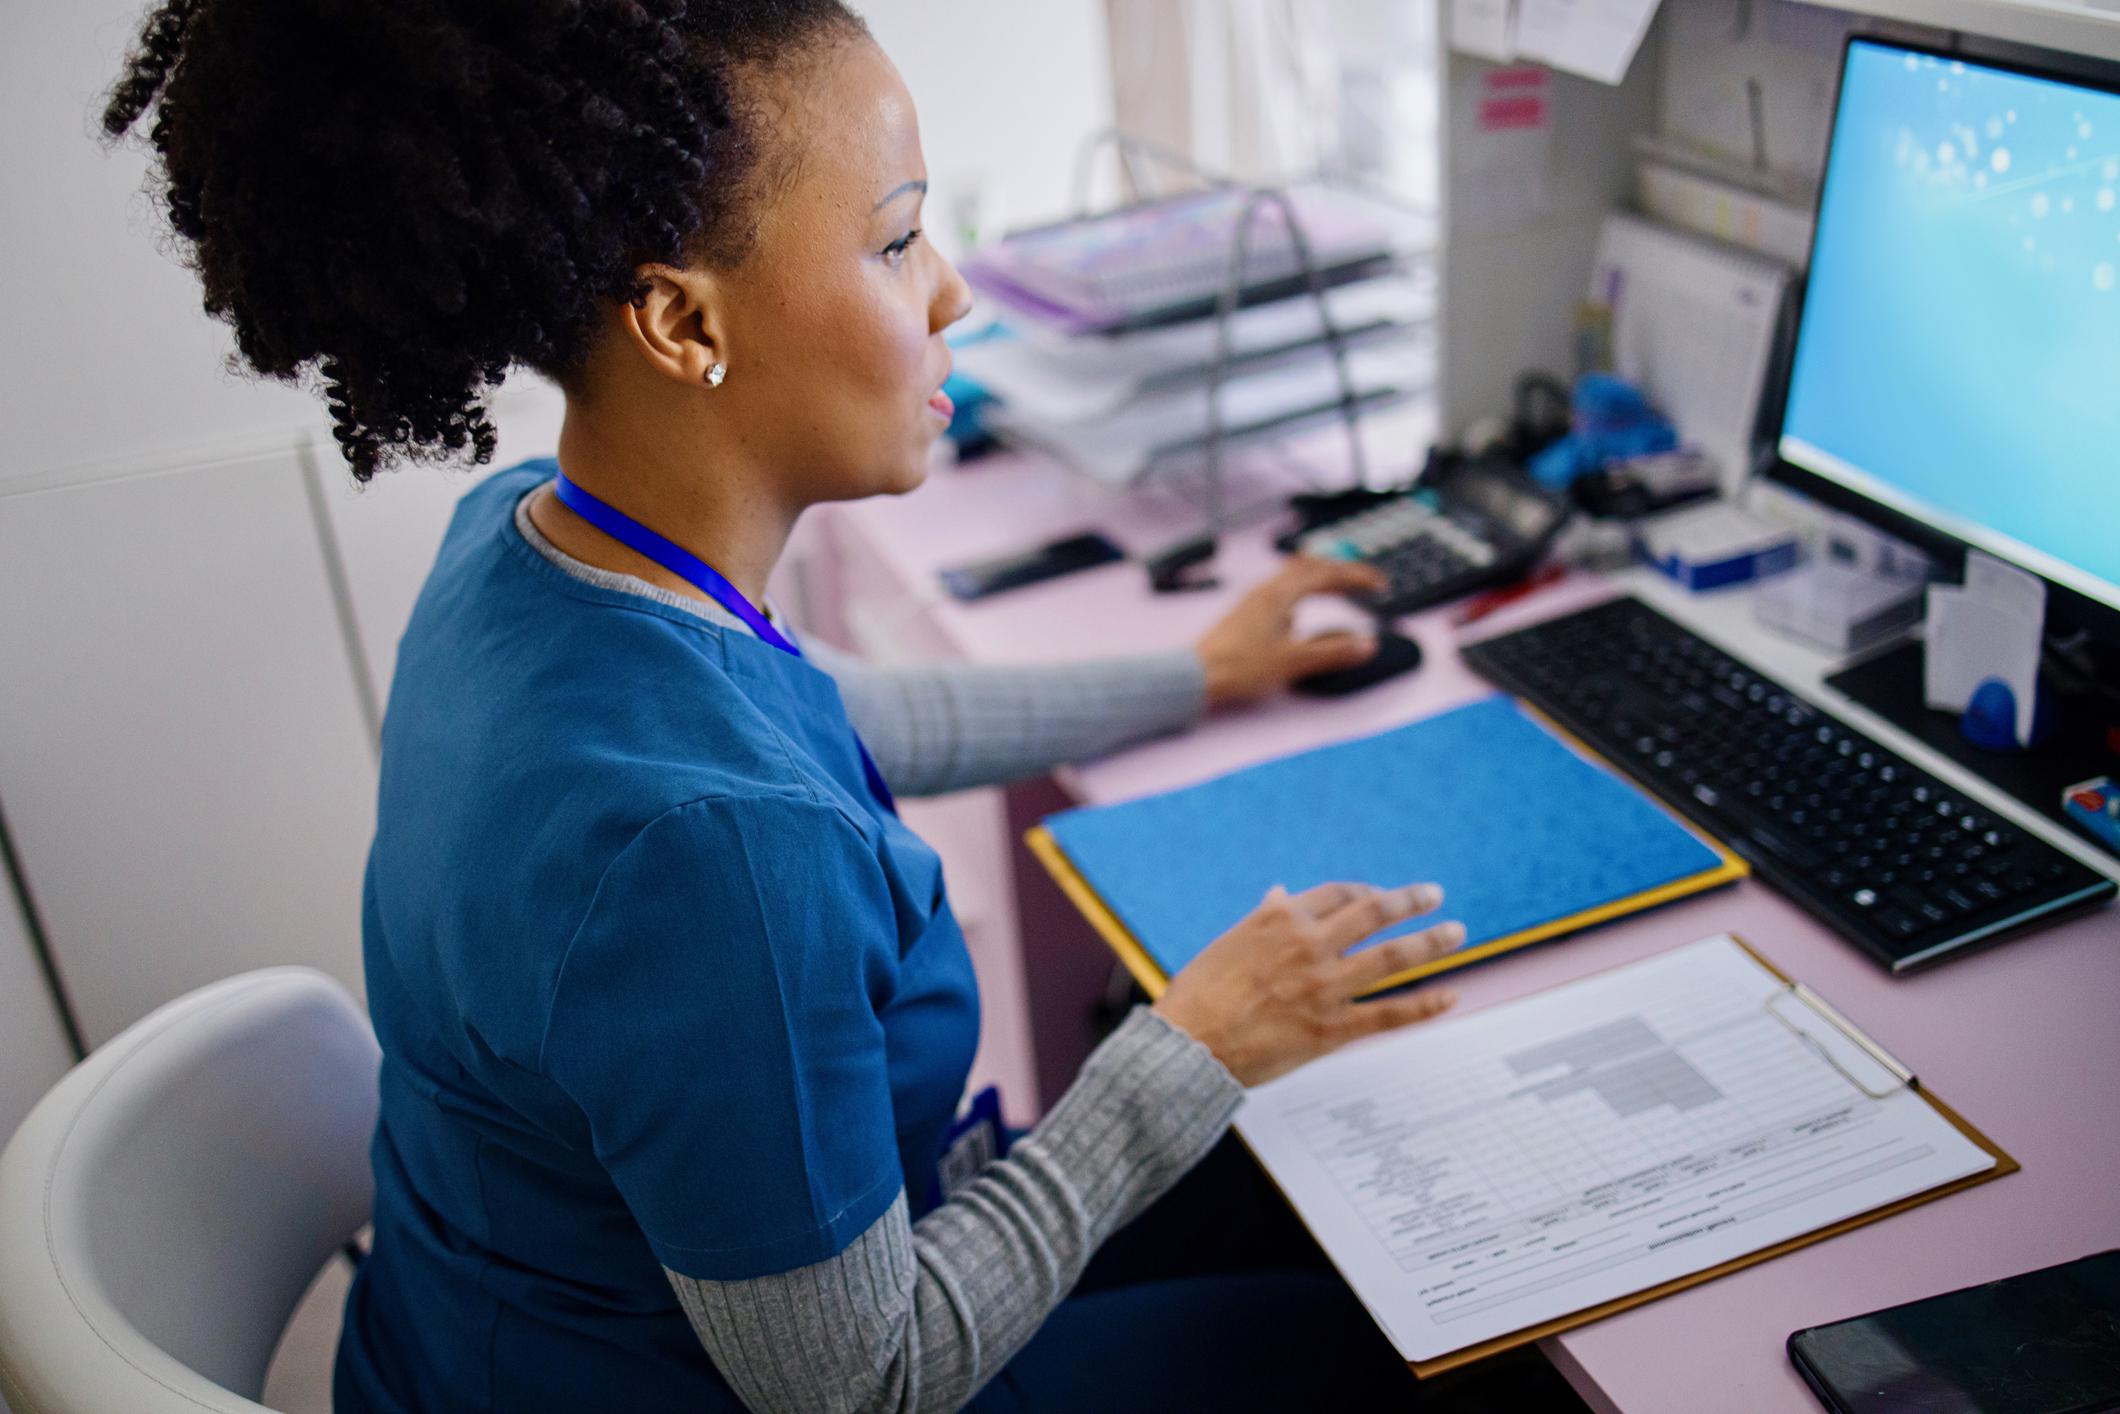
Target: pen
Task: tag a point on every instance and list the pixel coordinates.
(1480, 606)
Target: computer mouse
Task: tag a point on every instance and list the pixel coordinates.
(1395, 654)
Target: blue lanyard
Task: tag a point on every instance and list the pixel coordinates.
(687, 566)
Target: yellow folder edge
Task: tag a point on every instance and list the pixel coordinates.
(1120, 939)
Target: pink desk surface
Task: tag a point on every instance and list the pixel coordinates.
(2023, 1040)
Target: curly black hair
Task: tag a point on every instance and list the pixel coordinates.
(409, 197)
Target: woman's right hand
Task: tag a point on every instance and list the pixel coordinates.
(1279, 989)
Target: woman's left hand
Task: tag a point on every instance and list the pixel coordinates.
(1254, 650)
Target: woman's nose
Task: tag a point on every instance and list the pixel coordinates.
(953, 298)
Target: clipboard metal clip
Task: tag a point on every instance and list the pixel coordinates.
(1823, 1011)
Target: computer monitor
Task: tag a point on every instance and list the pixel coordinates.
(1957, 366)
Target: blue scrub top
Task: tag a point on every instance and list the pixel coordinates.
(657, 981)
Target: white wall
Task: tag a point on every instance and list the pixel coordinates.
(188, 771)
(1007, 90)
(108, 357)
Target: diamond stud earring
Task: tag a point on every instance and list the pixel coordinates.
(715, 374)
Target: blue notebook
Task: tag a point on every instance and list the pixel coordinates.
(1528, 839)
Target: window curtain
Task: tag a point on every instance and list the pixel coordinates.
(1272, 90)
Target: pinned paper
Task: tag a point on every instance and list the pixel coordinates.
(1595, 38)
(1485, 29)
(1503, 150)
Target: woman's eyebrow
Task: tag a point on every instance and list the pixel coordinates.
(919, 185)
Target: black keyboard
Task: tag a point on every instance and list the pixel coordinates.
(1892, 858)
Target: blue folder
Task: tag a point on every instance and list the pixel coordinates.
(1528, 838)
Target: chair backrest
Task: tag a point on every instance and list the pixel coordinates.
(167, 1204)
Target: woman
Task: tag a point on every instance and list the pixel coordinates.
(674, 1013)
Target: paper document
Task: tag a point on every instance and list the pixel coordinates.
(2019, 591)
(1694, 327)
(1484, 28)
(1481, 1175)
(1594, 38)
(1990, 628)
(1501, 148)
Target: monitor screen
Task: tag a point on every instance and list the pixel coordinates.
(1959, 356)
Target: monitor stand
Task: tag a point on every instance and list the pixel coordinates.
(1889, 684)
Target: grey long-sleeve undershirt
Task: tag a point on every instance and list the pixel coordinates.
(917, 1316)
(956, 725)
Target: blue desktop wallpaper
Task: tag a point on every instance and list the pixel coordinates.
(1961, 335)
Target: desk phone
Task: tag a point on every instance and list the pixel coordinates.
(1463, 525)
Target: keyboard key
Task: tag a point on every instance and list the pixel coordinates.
(1896, 924)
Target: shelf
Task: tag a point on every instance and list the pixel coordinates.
(2089, 27)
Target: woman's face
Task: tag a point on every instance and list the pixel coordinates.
(833, 324)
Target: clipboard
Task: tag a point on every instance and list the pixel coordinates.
(1728, 869)
(1827, 1021)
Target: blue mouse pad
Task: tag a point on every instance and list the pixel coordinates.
(1519, 830)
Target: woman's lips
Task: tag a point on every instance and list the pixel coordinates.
(939, 403)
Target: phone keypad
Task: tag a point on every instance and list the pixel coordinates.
(1419, 548)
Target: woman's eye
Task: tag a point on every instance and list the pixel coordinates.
(895, 251)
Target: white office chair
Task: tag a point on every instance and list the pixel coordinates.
(165, 1206)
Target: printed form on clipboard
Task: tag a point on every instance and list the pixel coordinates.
(1491, 1179)
(1695, 326)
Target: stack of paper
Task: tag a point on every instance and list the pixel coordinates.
(1164, 261)
(1119, 442)
(1692, 197)
(1057, 379)
(1112, 335)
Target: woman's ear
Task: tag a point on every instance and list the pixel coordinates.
(675, 324)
